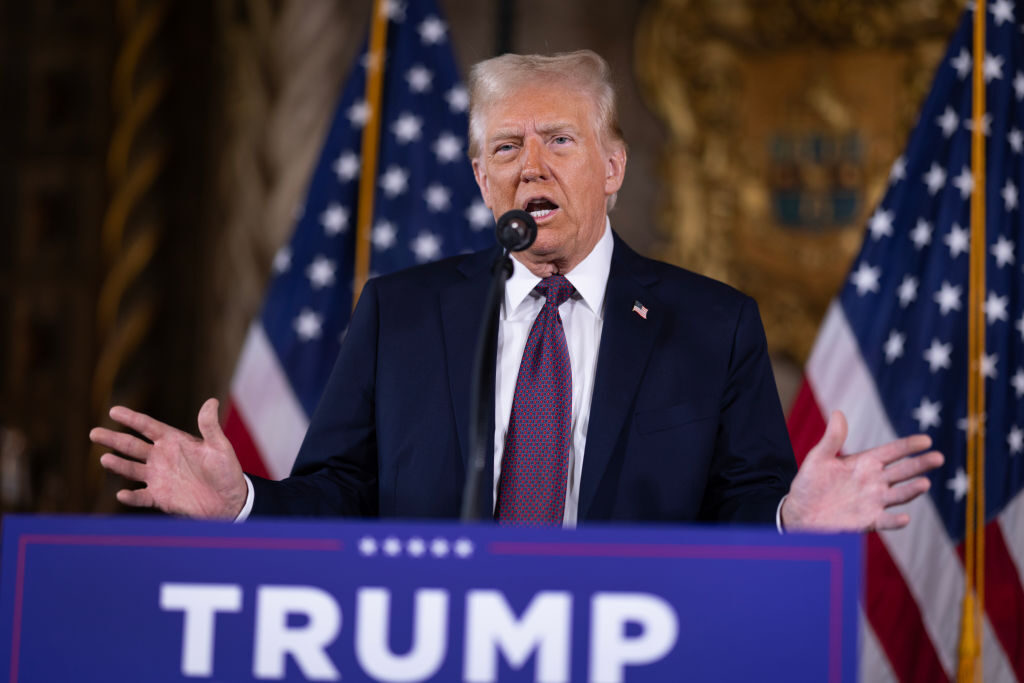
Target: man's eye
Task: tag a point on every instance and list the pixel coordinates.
(561, 139)
(505, 148)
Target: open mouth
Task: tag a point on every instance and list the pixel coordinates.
(540, 208)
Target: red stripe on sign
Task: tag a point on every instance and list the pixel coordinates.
(1004, 597)
(245, 448)
(896, 619)
(806, 424)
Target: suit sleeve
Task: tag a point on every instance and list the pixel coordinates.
(336, 471)
(753, 463)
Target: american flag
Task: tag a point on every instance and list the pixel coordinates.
(426, 206)
(892, 354)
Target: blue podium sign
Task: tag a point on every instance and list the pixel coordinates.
(155, 599)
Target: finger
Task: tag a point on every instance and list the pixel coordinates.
(128, 469)
(121, 442)
(209, 424)
(900, 448)
(832, 441)
(140, 422)
(911, 467)
(139, 498)
(889, 520)
(906, 492)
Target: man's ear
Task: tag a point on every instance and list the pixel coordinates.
(615, 169)
(481, 180)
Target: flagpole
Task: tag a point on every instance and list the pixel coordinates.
(370, 144)
(971, 659)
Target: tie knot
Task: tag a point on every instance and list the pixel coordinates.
(556, 289)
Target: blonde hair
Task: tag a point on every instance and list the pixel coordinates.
(493, 79)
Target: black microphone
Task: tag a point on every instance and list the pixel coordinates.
(516, 230)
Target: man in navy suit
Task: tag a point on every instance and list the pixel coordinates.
(670, 408)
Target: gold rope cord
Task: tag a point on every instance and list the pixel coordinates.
(971, 659)
(129, 237)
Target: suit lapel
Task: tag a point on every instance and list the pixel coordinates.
(462, 306)
(627, 339)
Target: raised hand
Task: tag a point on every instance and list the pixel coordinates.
(834, 492)
(184, 475)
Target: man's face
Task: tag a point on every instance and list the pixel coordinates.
(542, 152)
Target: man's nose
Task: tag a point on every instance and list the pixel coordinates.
(534, 165)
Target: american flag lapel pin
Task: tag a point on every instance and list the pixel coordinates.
(640, 309)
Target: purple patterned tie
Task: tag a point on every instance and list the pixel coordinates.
(534, 466)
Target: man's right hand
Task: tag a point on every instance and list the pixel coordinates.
(184, 475)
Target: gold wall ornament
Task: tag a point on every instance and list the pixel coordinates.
(784, 119)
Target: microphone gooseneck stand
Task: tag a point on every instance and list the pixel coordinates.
(516, 230)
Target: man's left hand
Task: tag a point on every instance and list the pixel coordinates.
(835, 492)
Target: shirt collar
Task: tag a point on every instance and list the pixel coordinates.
(589, 277)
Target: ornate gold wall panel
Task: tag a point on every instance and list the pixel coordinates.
(784, 117)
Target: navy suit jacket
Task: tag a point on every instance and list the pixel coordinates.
(685, 422)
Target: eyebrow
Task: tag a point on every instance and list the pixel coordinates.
(543, 129)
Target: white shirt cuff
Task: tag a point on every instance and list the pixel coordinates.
(251, 495)
(778, 510)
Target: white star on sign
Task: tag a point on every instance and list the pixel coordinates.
(1009, 193)
(962, 63)
(419, 78)
(1018, 85)
(1015, 440)
(1016, 140)
(346, 166)
(995, 307)
(988, 365)
(282, 259)
(894, 346)
(394, 181)
(865, 279)
(921, 235)
(964, 182)
(307, 325)
(927, 414)
(880, 224)
(416, 547)
(438, 197)
(358, 114)
(1002, 10)
(958, 240)
(1020, 326)
(992, 67)
(320, 272)
(458, 99)
(432, 30)
(1018, 382)
(383, 235)
(334, 219)
(407, 128)
(367, 546)
(907, 291)
(948, 122)
(935, 178)
(426, 247)
(392, 546)
(937, 355)
(478, 215)
(898, 171)
(463, 547)
(447, 148)
(948, 298)
(439, 547)
(958, 484)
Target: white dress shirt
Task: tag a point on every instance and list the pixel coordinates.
(582, 318)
